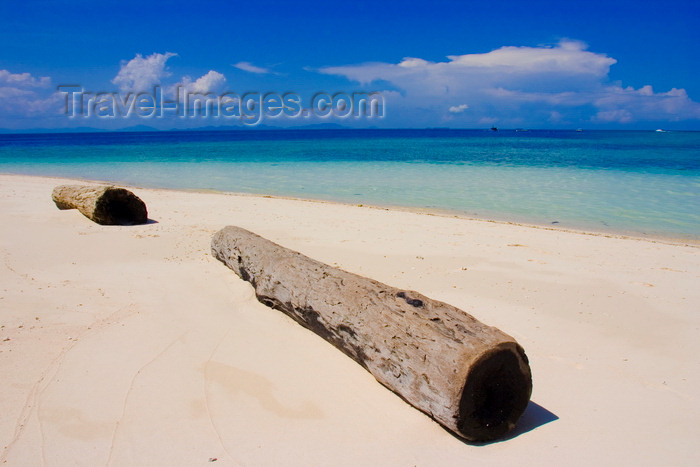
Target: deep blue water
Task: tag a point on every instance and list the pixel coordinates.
(640, 182)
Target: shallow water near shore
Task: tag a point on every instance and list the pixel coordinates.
(640, 183)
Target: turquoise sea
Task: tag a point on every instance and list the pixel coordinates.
(636, 182)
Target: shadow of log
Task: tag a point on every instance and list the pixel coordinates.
(534, 417)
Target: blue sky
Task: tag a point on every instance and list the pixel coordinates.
(536, 64)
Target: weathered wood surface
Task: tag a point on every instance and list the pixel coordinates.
(105, 205)
(472, 378)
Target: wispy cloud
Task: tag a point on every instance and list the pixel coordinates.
(546, 84)
(141, 74)
(458, 109)
(249, 67)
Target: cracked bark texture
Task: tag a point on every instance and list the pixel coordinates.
(471, 378)
(106, 205)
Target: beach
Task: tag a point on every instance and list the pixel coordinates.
(132, 345)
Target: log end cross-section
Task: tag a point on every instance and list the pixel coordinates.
(106, 205)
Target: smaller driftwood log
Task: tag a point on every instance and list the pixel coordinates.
(105, 205)
(471, 378)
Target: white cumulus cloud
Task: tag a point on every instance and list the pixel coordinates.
(520, 86)
(567, 57)
(618, 104)
(22, 80)
(213, 81)
(23, 95)
(142, 73)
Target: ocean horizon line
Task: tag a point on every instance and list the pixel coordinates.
(323, 128)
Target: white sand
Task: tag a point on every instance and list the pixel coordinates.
(133, 346)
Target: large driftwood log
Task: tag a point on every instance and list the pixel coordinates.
(105, 205)
(471, 378)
